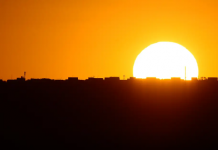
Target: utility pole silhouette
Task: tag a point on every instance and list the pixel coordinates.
(24, 74)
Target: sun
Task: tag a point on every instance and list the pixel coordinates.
(165, 60)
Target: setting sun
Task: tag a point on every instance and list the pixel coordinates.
(164, 60)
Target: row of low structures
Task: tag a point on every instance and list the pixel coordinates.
(114, 79)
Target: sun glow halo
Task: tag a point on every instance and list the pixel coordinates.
(164, 60)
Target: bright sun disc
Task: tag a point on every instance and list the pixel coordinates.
(164, 60)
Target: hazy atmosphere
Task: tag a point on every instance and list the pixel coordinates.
(58, 39)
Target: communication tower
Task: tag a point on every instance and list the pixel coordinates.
(24, 74)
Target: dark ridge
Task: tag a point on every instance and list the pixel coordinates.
(109, 113)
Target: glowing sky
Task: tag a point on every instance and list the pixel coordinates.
(61, 38)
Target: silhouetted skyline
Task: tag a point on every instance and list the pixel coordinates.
(106, 113)
(67, 67)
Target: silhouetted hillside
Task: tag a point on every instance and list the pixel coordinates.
(109, 113)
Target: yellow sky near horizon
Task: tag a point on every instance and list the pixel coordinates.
(62, 38)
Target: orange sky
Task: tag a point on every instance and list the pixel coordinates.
(101, 38)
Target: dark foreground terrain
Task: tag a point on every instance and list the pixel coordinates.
(109, 113)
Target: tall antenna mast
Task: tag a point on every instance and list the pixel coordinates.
(24, 74)
(185, 72)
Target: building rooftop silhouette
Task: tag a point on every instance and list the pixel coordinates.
(112, 79)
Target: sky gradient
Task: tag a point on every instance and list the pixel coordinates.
(101, 38)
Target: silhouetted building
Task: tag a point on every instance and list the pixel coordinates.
(94, 111)
(203, 78)
(151, 79)
(45, 80)
(175, 79)
(59, 81)
(112, 79)
(33, 80)
(212, 79)
(95, 79)
(73, 79)
(10, 80)
(21, 79)
(132, 78)
(194, 79)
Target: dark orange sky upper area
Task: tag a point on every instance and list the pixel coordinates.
(101, 38)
